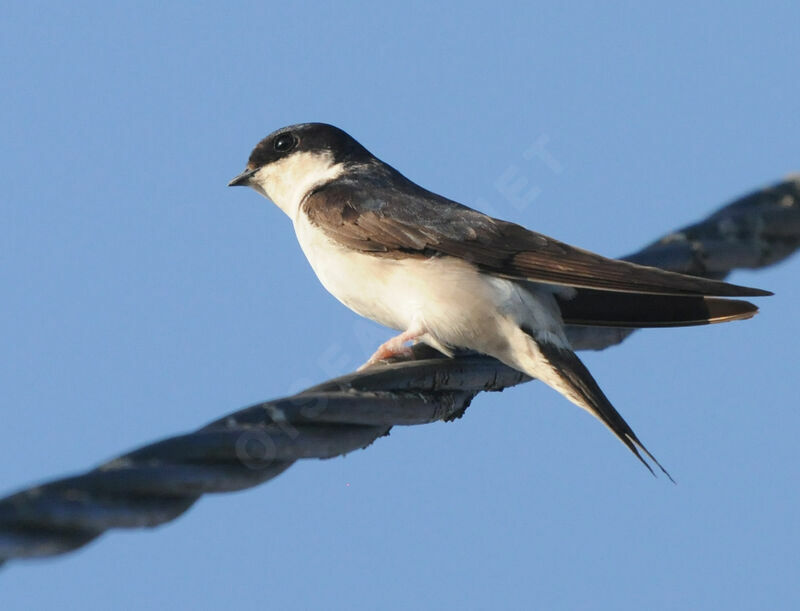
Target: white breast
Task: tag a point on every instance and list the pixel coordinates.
(458, 305)
(369, 285)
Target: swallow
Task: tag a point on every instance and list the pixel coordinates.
(454, 278)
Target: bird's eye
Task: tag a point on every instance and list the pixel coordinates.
(285, 143)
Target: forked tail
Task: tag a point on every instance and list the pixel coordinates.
(568, 375)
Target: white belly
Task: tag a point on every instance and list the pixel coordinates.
(458, 305)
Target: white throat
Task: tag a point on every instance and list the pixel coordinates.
(287, 181)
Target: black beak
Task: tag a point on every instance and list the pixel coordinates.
(243, 179)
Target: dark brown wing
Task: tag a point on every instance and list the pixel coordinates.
(391, 216)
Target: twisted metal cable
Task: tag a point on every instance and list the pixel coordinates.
(158, 482)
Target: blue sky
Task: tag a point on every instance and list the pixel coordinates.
(142, 298)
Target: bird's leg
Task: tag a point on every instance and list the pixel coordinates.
(396, 346)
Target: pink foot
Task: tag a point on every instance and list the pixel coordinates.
(394, 347)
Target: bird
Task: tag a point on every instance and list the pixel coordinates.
(456, 279)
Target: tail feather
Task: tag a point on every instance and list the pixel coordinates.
(569, 376)
(635, 310)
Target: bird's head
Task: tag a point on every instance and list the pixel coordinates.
(291, 161)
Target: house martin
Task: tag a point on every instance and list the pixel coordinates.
(449, 276)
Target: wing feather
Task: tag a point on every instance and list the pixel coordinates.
(402, 219)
